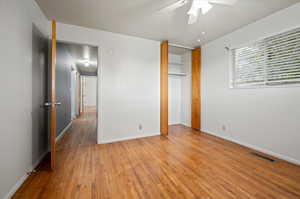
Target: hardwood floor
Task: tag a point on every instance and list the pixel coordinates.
(186, 164)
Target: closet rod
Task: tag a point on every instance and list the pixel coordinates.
(180, 46)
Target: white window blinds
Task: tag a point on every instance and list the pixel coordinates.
(272, 61)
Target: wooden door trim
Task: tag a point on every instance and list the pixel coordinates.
(196, 91)
(53, 97)
(164, 53)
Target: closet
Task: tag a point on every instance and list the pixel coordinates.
(179, 85)
(180, 99)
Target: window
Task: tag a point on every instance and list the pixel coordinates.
(269, 62)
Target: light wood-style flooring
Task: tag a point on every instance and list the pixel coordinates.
(185, 165)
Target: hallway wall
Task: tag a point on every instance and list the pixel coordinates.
(16, 138)
(64, 65)
(74, 94)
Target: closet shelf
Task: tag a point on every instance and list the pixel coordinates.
(177, 64)
(178, 74)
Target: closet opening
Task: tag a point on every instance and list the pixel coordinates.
(179, 86)
(180, 98)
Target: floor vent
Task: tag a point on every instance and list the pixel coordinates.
(262, 157)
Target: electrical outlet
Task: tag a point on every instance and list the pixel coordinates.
(224, 127)
(140, 127)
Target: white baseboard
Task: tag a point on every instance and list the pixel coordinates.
(14, 189)
(63, 131)
(266, 151)
(187, 125)
(39, 160)
(19, 183)
(182, 123)
(126, 138)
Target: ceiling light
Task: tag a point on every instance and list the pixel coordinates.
(85, 62)
(199, 40)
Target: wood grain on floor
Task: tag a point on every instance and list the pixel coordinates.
(186, 164)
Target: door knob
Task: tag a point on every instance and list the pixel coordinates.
(49, 104)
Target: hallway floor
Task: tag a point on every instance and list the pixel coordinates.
(186, 164)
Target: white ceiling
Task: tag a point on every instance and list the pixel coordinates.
(141, 17)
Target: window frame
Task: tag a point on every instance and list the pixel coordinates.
(232, 67)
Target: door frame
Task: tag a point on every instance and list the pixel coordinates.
(195, 85)
(99, 77)
(53, 111)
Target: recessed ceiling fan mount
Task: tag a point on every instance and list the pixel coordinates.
(197, 5)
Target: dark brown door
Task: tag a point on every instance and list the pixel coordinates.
(39, 113)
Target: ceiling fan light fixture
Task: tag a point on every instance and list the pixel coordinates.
(193, 13)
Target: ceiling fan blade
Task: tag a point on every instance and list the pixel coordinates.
(146, 9)
(192, 19)
(193, 15)
(224, 2)
(174, 6)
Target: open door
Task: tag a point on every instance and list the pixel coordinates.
(164, 62)
(196, 96)
(52, 104)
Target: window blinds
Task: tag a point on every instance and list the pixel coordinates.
(271, 61)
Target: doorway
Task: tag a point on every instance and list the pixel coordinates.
(76, 88)
(65, 119)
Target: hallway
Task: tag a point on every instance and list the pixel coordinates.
(82, 133)
(186, 164)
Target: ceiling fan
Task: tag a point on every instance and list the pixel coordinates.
(196, 6)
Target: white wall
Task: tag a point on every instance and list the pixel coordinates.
(16, 142)
(186, 84)
(175, 101)
(128, 82)
(265, 118)
(90, 91)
